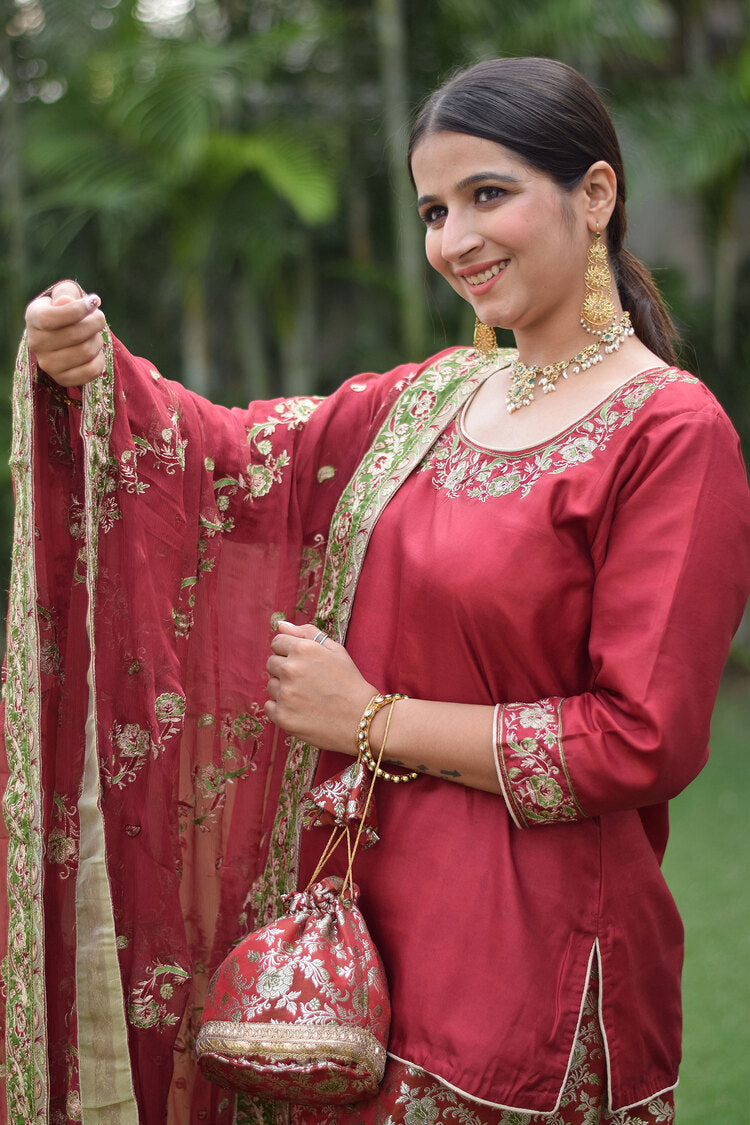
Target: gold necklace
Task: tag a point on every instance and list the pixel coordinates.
(523, 379)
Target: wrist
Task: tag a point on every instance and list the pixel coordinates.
(380, 705)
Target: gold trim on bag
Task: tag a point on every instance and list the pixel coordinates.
(282, 1041)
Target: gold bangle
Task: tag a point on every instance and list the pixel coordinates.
(363, 738)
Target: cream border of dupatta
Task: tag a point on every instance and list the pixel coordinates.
(107, 1094)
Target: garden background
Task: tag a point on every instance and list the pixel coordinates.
(228, 175)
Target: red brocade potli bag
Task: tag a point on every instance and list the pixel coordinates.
(299, 1010)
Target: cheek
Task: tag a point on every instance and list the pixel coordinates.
(432, 251)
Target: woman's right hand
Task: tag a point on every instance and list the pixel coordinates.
(65, 334)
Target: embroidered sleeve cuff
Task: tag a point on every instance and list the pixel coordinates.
(531, 764)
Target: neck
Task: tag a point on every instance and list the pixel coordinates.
(558, 339)
(525, 377)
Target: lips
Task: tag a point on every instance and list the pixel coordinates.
(481, 277)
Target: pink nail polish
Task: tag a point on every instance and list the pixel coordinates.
(93, 301)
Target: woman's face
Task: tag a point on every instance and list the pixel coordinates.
(504, 235)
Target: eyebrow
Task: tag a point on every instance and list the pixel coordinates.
(469, 181)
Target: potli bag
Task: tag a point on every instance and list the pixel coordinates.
(299, 1010)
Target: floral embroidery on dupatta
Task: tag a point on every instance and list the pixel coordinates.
(459, 467)
(167, 449)
(261, 475)
(62, 840)
(311, 570)
(240, 737)
(49, 648)
(132, 745)
(531, 764)
(148, 1005)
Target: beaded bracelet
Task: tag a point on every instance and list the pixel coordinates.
(363, 740)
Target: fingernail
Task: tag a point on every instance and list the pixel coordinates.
(93, 301)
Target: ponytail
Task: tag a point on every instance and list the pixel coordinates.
(637, 289)
(648, 313)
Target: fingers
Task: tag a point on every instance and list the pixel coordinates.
(64, 307)
(74, 366)
(65, 334)
(309, 632)
(66, 291)
(275, 667)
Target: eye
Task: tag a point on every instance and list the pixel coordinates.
(433, 214)
(489, 194)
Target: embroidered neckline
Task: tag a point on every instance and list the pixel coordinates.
(547, 443)
(458, 465)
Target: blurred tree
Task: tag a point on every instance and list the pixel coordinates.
(694, 124)
(229, 173)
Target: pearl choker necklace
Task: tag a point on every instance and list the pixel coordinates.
(523, 379)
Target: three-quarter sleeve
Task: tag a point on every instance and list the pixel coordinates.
(672, 573)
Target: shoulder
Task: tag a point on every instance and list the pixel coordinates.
(670, 398)
(675, 432)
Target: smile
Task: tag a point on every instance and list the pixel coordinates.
(485, 275)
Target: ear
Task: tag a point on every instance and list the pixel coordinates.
(599, 186)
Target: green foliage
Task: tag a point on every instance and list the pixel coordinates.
(172, 166)
(706, 867)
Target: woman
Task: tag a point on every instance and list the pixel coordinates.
(552, 579)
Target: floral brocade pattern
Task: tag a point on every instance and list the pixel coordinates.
(300, 1008)
(462, 469)
(531, 763)
(410, 1096)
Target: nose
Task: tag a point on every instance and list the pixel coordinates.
(459, 236)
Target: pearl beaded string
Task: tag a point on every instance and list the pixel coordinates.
(524, 379)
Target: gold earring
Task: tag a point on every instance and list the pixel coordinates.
(485, 340)
(598, 310)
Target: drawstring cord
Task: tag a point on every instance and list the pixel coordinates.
(338, 833)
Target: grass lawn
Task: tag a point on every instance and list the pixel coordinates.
(707, 867)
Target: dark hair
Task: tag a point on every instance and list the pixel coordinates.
(549, 115)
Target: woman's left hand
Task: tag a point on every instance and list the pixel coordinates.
(316, 692)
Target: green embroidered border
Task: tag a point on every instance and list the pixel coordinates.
(418, 417)
(416, 420)
(27, 1076)
(415, 423)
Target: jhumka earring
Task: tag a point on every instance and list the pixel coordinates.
(485, 340)
(598, 311)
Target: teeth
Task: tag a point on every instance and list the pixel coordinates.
(478, 278)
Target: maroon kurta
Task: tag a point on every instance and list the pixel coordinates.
(597, 581)
(586, 579)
